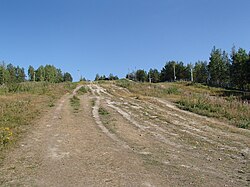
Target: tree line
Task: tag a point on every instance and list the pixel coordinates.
(10, 74)
(104, 77)
(224, 70)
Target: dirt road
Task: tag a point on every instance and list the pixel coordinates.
(116, 139)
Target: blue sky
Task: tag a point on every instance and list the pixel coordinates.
(114, 36)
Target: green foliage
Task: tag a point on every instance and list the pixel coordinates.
(172, 90)
(112, 77)
(141, 75)
(67, 77)
(40, 74)
(11, 75)
(175, 71)
(237, 112)
(34, 87)
(104, 77)
(75, 103)
(240, 70)
(219, 67)
(167, 72)
(201, 72)
(154, 74)
(244, 124)
(83, 90)
(31, 73)
(123, 83)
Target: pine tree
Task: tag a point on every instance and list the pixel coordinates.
(201, 72)
(240, 68)
(218, 67)
(31, 73)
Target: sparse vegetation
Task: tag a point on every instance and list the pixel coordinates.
(83, 90)
(172, 90)
(21, 103)
(75, 103)
(92, 102)
(5, 136)
(237, 112)
(103, 111)
(198, 98)
(123, 83)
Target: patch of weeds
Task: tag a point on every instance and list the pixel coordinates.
(103, 111)
(5, 136)
(93, 103)
(234, 110)
(123, 83)
(82, 90)
(172, 90)
(51, 103)
(198, 105)
(75, 103)
(149, 160)
(244, 124)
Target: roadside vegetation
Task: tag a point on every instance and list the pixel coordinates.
(229, 105)
(21, 103)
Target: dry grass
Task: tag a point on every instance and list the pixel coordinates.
(20, 104)
(197, 98)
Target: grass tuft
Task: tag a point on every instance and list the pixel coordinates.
(103, 111)
(75, 103)
(83, 90)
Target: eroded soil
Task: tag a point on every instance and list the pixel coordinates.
(139, 141)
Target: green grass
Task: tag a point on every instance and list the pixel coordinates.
(83, 90)
(124, 83)
(75, 103)
(172, 90)
(234, 110)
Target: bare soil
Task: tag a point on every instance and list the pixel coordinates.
(139, 141)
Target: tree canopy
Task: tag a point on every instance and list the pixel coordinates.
(14, 74)
(222, 70)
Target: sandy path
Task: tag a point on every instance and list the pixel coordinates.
(139, 143)
(70, 149)
(201, 151)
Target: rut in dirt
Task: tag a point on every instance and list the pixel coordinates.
(68, 148)
(137, 142)
(180, 142)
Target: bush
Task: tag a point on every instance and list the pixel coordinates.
(82, 90)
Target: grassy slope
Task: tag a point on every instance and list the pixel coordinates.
(20, 104)
(197, 98)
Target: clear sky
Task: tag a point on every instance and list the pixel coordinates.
(115, 36)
